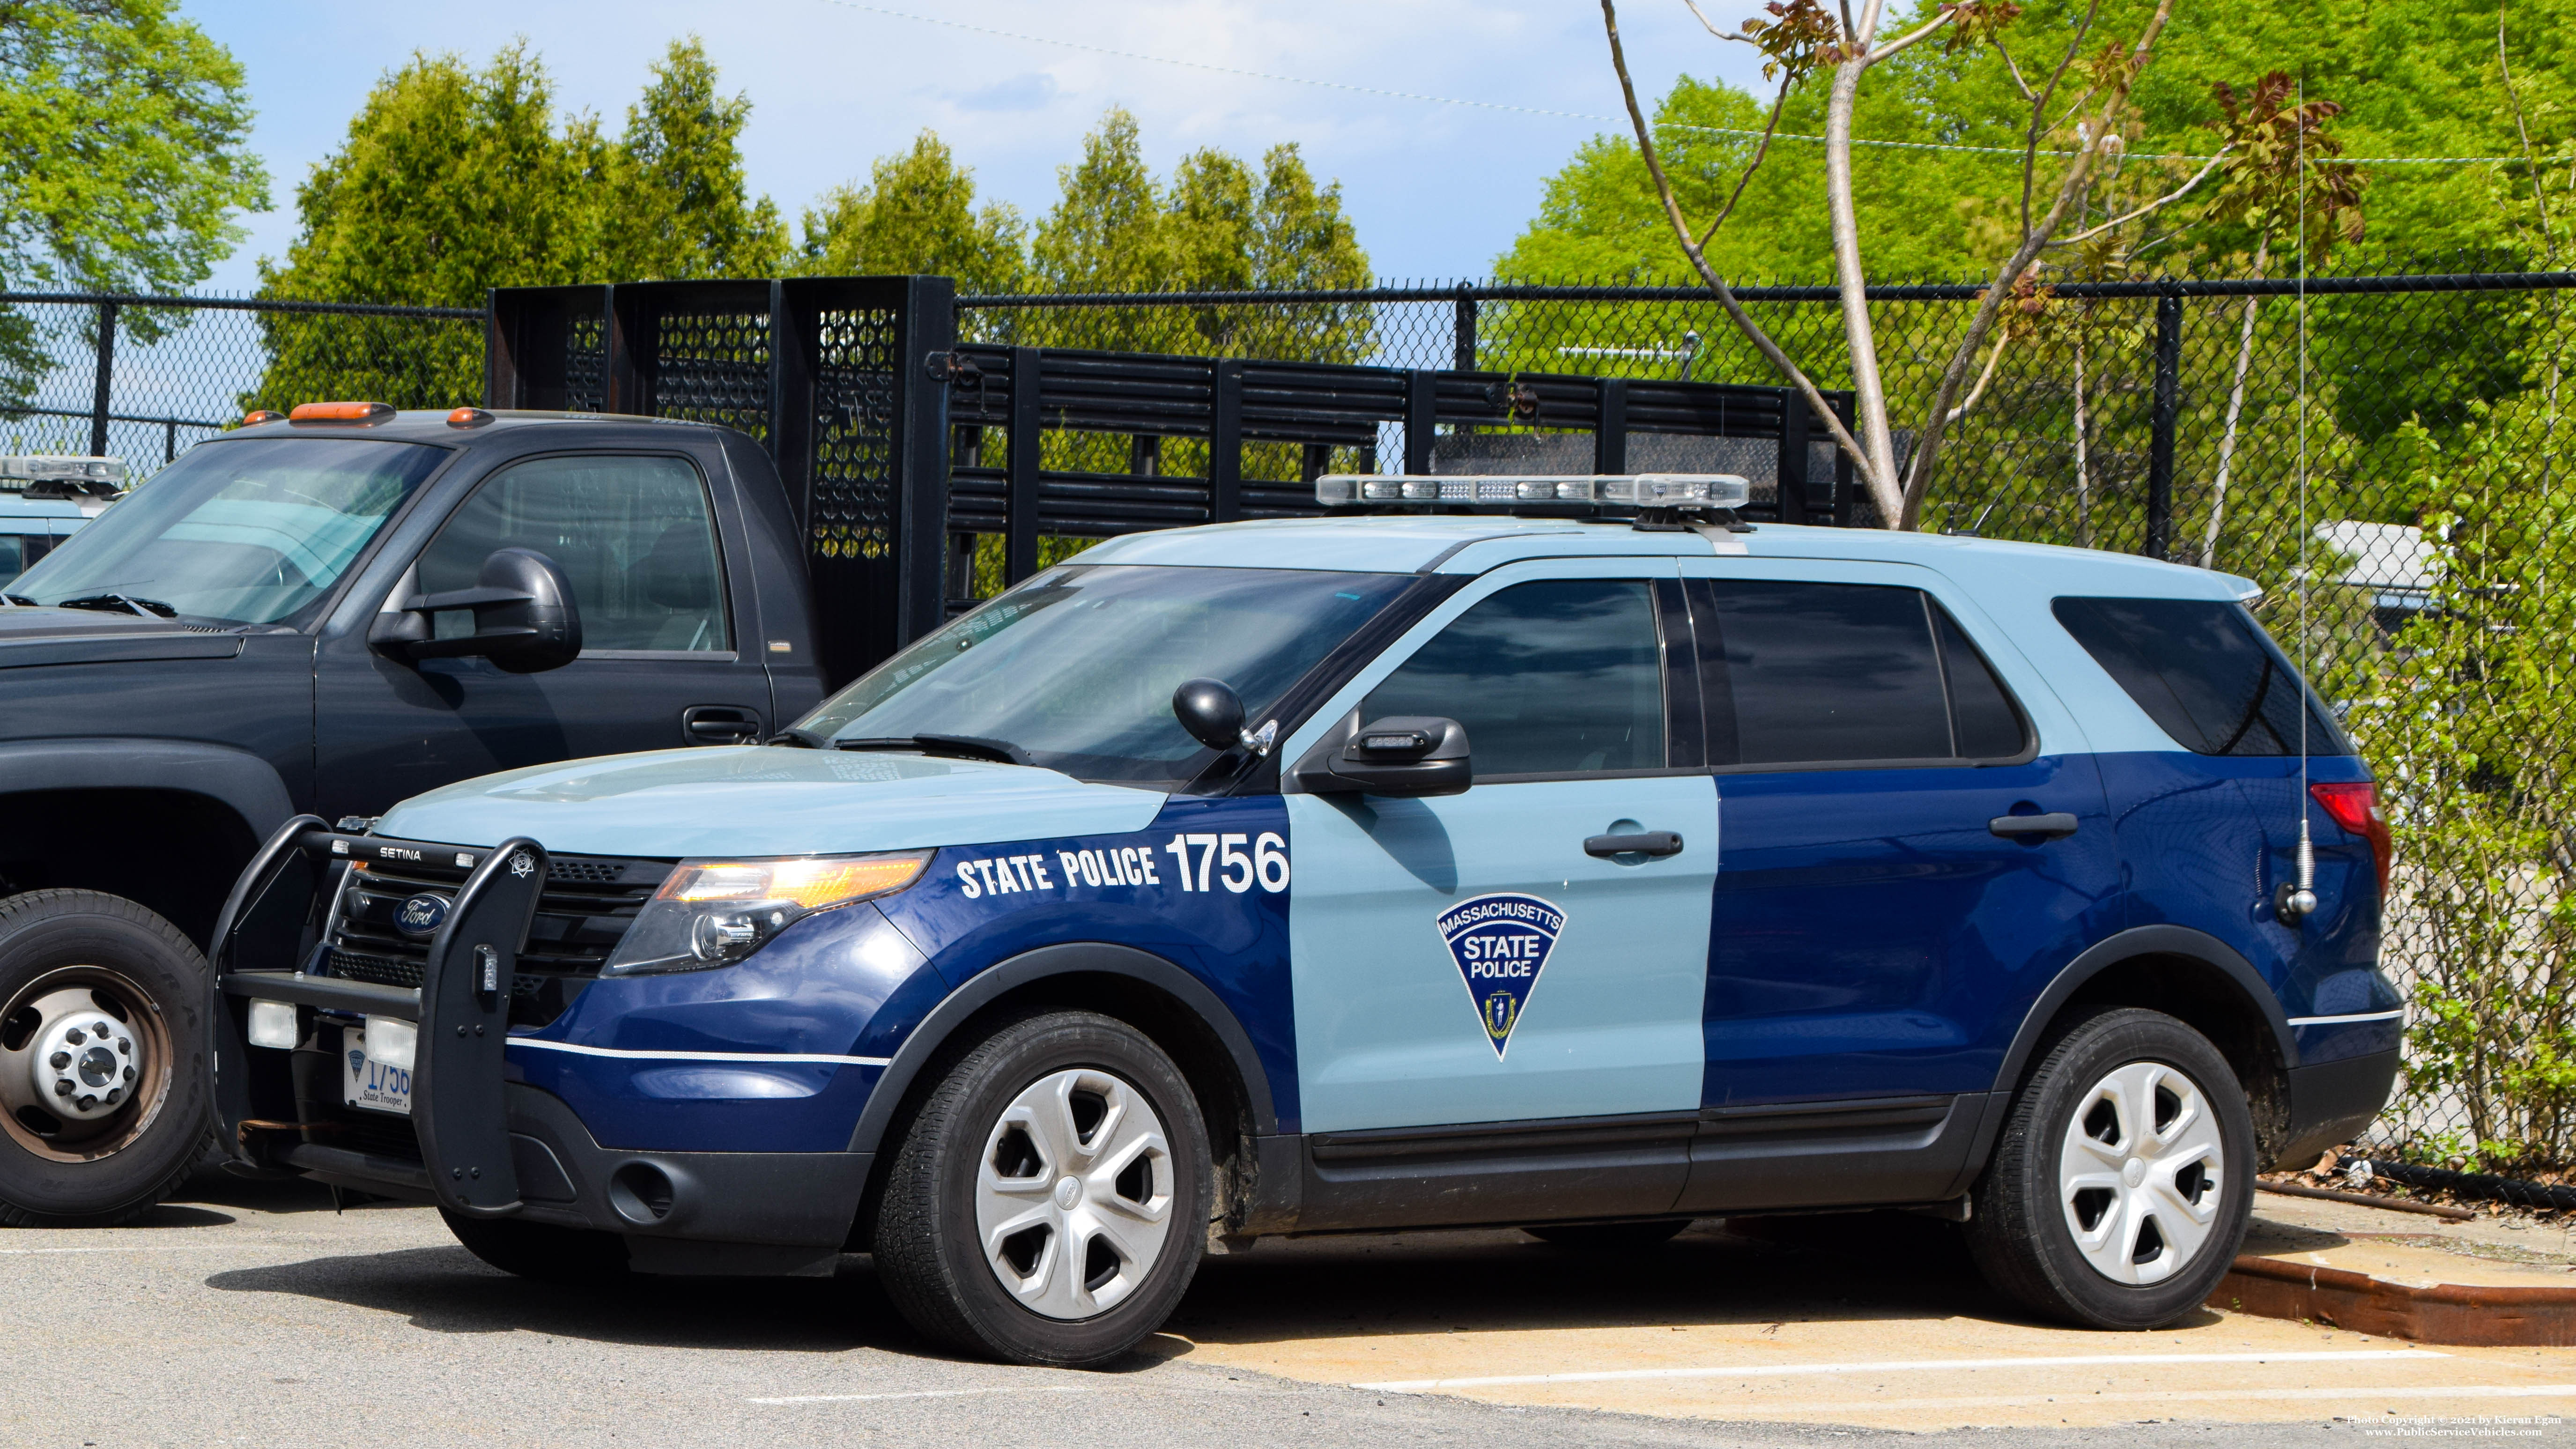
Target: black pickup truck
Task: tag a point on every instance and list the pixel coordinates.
(324, 616)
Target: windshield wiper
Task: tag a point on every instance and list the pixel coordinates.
(955, 747)
(147, 608)
(801, 737)
(22, 599)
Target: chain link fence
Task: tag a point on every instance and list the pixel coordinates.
(2162, 416)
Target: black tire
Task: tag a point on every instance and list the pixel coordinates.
(928, 1245)
(1611, 1239)
(2024, 1234)
(571, 1257)
(148, 983)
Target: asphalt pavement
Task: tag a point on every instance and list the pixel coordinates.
(255, 1314)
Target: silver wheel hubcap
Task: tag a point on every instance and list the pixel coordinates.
(1073, 1198)
(2140, 1174)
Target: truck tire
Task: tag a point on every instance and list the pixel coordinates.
(2121, 1186)
(544, 1252)
(103, 1081)
(1049, 1202)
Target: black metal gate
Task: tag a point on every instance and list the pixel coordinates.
(885, 430)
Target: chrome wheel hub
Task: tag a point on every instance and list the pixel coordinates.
(82, 1063)
(2140, 1174)
(1073, 1196)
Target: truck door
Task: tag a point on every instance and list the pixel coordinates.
(664, 658)
(1465, 959)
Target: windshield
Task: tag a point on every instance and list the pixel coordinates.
(242, 532)
(1076, 667)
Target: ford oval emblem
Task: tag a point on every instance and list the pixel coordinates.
(421, 915)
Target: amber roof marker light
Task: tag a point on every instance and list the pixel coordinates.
(468, 418)
(341, 412)
(257, 416)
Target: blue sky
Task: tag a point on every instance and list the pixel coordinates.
(1436, 190)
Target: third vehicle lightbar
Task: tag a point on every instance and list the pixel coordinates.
(1504, 490)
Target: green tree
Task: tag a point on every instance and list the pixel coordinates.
(916, 213)
(452, 181)
(123, 157)
(675, 202)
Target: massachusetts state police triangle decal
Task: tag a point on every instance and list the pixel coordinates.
(1500, 942)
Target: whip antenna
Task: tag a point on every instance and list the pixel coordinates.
(2303, 897)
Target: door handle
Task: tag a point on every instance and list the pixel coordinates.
(719, 724)
(1644, 842)
(2042, 827)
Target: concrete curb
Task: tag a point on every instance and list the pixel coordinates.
(2469, 1315)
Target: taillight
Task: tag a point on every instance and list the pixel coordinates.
(2354, 805)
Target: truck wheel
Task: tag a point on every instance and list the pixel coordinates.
(102, 1059)
(1050, 1201)
(545, 1252)
(2120, 1188)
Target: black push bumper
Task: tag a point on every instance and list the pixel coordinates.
(486, 1147)
(2331, 1102)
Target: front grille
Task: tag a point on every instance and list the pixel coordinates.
(585, 909)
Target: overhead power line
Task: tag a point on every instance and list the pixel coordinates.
(1296, 80)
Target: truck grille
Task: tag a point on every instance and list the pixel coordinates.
(585, 909)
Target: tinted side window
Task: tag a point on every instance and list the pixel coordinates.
(1812, 673)
(1983, 719)
(1558, 677)
(632, 534)
(2204, 671)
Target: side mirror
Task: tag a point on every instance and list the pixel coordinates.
(1211, 711)
(1402, 755)
(525, 621)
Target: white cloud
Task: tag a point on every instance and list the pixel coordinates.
(1436, 190)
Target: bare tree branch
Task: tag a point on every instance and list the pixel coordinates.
(2162, 201)
(2002, 339)
(1711, 27)
(2039, 106)
(1769, 127)
(1735, 312)
(1927, 448)
(2540, 203)
(1902, 41)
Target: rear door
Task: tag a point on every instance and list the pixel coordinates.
(664, 660)
(1890, 899)
(1464, 960)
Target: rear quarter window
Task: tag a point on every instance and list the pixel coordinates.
(2204, 671)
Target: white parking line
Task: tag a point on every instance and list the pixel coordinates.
(1923, 1365)
(921, 1394)
(138, 1248)
(2195, 1396)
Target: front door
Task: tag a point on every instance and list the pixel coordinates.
(1465, 959)
(660, 666)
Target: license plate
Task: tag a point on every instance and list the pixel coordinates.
(366, 1082)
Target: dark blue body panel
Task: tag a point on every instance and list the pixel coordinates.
(779, 1053)
(1872, 937)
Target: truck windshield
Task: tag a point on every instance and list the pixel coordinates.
(1074, 670)
(244, 532)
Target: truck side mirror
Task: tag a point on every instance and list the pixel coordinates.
(1211, 711)
(1402, 755)
(525, 621)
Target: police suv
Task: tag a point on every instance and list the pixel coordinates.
(1447, 865)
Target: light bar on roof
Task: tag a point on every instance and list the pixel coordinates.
(63, 469)
(1507, 490)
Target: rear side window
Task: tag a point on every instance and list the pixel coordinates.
(1811, 673)
(2204, 671)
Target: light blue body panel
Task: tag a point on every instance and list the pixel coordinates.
(1387, 1030)
(39, 517)
(757, 800)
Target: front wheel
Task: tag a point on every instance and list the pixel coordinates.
(2121, 1186)
(1049, 1203)
(102, 1059)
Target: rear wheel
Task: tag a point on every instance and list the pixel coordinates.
(102, 1059)
(1049, 1203)
(572, 1257)
(2121, 1186)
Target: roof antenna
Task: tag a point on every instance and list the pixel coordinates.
(2301, 900)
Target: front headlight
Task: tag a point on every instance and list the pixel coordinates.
(716, 912)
